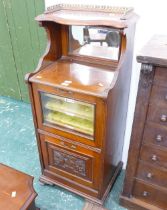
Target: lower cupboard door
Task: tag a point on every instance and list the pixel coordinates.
(69, 163)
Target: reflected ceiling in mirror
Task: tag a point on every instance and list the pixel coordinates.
(92, 41)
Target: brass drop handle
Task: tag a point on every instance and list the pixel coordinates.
(145, 193)
(154, 158)
(159, 138)
(149, 175)
(73, 147)
(163, 118)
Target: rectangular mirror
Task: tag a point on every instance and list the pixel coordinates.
(94, 41)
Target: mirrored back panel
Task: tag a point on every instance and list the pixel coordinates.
(94, 41)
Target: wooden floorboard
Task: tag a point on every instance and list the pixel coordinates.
(91, 206)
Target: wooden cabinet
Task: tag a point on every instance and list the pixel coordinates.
(79, 96)
(145, 185)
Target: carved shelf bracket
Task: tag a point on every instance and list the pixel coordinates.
(147, 75)
(146, 68)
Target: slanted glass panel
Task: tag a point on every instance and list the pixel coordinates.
(98, 42)
(68, 113)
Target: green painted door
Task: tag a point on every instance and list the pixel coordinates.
(22, 42)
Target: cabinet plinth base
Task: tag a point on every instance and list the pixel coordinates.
(89, 205)
(134, 203)
(46, 180)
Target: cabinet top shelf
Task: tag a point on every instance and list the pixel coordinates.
(76, 77)
(75, 14)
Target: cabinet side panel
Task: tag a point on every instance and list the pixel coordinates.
(117, 105)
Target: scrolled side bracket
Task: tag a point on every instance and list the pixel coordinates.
(146, 68)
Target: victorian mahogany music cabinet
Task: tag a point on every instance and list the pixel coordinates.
(79, 96)
(145, 186)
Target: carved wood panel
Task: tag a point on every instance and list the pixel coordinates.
(70, 163)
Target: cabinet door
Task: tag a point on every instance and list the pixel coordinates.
(72, 115)
(73, 163)
(68, 113)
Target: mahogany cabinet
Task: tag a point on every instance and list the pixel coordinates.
(79, 95)
(145, 185)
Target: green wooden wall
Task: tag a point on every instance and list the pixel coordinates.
(22, 42)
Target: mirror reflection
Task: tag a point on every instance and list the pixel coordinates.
(100, 42)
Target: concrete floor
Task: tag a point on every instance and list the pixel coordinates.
(18, 149)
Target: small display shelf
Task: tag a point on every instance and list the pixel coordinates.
(79, 96)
